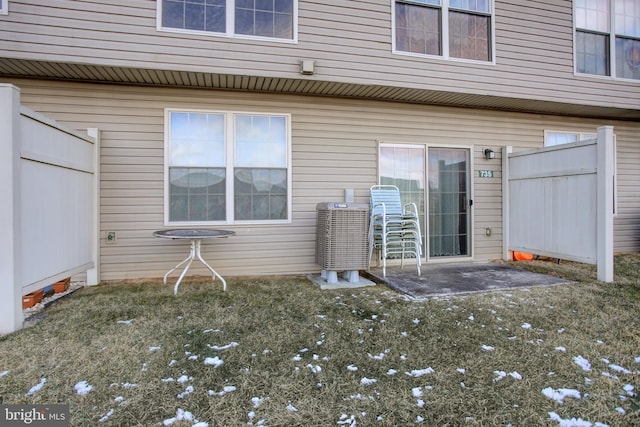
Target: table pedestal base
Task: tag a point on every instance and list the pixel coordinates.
(193, 254)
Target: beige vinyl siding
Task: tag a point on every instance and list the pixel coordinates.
(350, 42)
(334, 146)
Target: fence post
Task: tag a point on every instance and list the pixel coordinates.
(10, 282)
(93, 274)
(604, 236)
(505, 202)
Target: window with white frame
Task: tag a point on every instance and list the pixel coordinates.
(447, 28)
(552, 138)
(274, 19)
(4, 7)
(608, 38)
(226, 167)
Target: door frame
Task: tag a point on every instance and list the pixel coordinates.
(471, 180)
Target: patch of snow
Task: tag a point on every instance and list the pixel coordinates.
(417, 392)
(561, 348)
(314, 369)
(487, 347)
(420, 372)
(154, 348)
(184, 378)
(499, 375)
(291, 408)
(376, 357)
(392, 371)
(106, 416)
(215, 361)
(416, 321)
(461, 370)
(223, 347)
(619, 368)
(3, 373)
(82, 388)
(257, 401)
(368, 381)
(582, 362)
(347, 420)
(125, 322)
(352, 368)
(296, 358)
(186, 392)
(573, 422)
(225, 390)
(621, 410)
(560, 394)
(526, 326)
(37, 387)
(629, 389)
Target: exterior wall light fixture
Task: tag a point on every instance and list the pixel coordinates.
(489, 153)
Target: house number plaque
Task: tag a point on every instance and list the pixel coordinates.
(485, 174)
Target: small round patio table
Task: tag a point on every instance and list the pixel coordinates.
(196, 236)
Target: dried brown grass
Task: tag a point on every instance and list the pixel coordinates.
(299, 345)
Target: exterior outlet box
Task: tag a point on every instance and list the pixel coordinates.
(111, 237)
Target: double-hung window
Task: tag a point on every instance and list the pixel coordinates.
(4, 7)
(275, 19)
(460, 29)
(227, 167)
(608, 38)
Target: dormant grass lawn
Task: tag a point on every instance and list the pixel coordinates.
(277, 351)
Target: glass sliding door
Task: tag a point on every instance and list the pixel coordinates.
(449, 201)
(404, 166)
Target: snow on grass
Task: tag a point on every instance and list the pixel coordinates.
(573, 422)
(83, 388)
(3, 373)
(215, 361)
(37, 387)
(182, 415)
(560, 394)
(488, 347)
(502, 374)
(106, 416)
(225, 390)
(582, 362)
(224, 347)
(154, 348)
(125, 322)
(420, 372)
(368, 381)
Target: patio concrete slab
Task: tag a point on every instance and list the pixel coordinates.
(459, 278)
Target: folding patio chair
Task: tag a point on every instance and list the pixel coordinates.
(394, 228)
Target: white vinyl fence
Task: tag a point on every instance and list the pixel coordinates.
(48, 218)
(558, 201)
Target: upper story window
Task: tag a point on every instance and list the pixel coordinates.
(227, 167)
(4, 7)
(275, 19)
(447, 28)
(608, 37)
